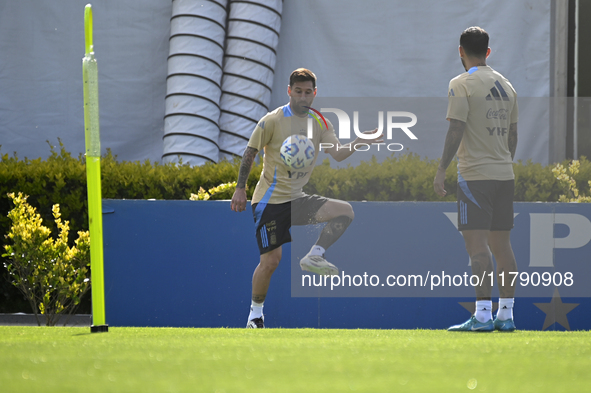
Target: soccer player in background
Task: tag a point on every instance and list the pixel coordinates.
(278, 200)
(482, 113)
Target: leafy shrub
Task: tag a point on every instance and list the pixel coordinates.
(403, 178)
(410, 178)
(569, 184)
(223, 191)
(51, 275)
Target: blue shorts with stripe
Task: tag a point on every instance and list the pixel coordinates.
(273, 221)
(485, 204)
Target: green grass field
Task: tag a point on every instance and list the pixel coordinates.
(61, 359)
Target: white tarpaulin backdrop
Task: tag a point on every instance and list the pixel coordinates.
(41, 50)
(385, 48)
(376, 48)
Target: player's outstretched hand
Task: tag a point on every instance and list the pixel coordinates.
(239, 200)
(377, 138)
(438, 183)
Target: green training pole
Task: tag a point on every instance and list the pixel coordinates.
(93, 177)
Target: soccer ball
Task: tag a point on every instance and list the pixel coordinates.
(297, 152)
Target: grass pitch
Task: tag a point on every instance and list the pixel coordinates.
(291, 360)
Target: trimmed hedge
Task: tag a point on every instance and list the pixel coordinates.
(61, 179)
(410, 178)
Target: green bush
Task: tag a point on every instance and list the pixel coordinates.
(410, 178)
(61, 179)
(52, 276)
(223, 191)
(403, 178)
(570, 185)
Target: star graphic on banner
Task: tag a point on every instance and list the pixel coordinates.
(556, 311)
(471, 306)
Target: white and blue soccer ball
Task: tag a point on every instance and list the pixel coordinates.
(297, 152)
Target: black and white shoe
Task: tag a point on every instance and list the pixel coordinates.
(256, 323)
(317, 264)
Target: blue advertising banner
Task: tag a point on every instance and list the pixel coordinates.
(406, 249)
(190, 263)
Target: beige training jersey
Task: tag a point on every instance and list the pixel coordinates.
(279, 184)
(487, 103)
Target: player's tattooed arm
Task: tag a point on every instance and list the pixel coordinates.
(239, 198)
(247, 159)
(452, 142)
(512, 139)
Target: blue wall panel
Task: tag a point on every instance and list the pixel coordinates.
(187, 263)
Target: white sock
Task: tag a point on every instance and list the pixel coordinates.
(317, 250)
(505, 308)
(483, 310)
(256, 310)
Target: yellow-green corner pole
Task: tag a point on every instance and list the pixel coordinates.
(93, 177)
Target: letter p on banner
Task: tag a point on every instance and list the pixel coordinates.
(543, 242)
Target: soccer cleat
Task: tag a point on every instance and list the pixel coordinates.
(317, 264)
(256, 323)
(504, 326)
(473, 325)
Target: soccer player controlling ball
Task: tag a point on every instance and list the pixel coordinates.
(482, 111)
(278, 200)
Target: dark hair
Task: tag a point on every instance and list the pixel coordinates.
(302, 75)
(474, 40)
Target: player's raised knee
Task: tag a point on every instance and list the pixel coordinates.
(349, 211)
(271, 259)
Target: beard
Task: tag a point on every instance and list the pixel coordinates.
(463, 64)
(299, 107)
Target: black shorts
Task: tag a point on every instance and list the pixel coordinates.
(485, 204)
(273, 221)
